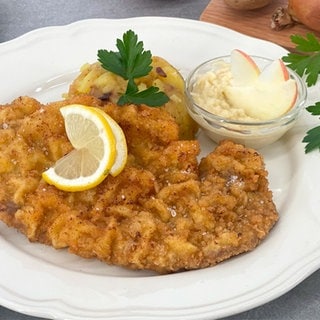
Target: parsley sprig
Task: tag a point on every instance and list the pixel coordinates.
(312, 137)
(132, 62)
(306, 59)
(306, 62)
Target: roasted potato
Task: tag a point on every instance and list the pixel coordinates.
(95, 80)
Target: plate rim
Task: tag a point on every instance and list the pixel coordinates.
(45, 311)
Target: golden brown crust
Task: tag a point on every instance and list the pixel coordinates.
(164, 212)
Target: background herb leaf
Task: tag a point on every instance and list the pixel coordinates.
(306, 59)
(314, 109)
(306, 62)
(309, 43)
(312, 139)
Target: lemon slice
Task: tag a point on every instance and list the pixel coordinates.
(121, 144)
(94, 151)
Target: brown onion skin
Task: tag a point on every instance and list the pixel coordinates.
(306, 12)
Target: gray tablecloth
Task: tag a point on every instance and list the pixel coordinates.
(20, 16)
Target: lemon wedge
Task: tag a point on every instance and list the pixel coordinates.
(94, 154)
(121, 144)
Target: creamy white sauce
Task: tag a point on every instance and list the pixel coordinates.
(208, 92)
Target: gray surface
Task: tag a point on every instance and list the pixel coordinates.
(20, 16)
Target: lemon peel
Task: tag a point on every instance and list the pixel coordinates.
(94, 136)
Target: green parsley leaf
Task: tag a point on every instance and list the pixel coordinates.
(150, 96)
(306, 62)
(306, 59)
(312, 139)
(308, 44)
(131, 62)
(112, 61)
(137, 62)
(314, 109)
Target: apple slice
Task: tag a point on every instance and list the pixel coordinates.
(263, 101)
(276, 72)
(262, 95)
(243, 68)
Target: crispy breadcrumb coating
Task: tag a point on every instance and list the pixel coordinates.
(164, 212)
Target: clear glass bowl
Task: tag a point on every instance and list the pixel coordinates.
(254, 134)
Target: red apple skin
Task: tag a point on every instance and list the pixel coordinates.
(306, 12)
(276, 71)
(242, 64)
(285, 71)
(294, 98)
(248, 58)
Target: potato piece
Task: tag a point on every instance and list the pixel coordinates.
(168, 79)
(95, 80)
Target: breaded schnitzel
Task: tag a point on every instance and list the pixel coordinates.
(164, 212)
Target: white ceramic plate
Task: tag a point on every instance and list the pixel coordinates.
(38, 280)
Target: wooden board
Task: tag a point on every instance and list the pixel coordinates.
(255, 23)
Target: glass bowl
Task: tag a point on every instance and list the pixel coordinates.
(254, 134)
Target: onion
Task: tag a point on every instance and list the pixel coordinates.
(306, 12)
